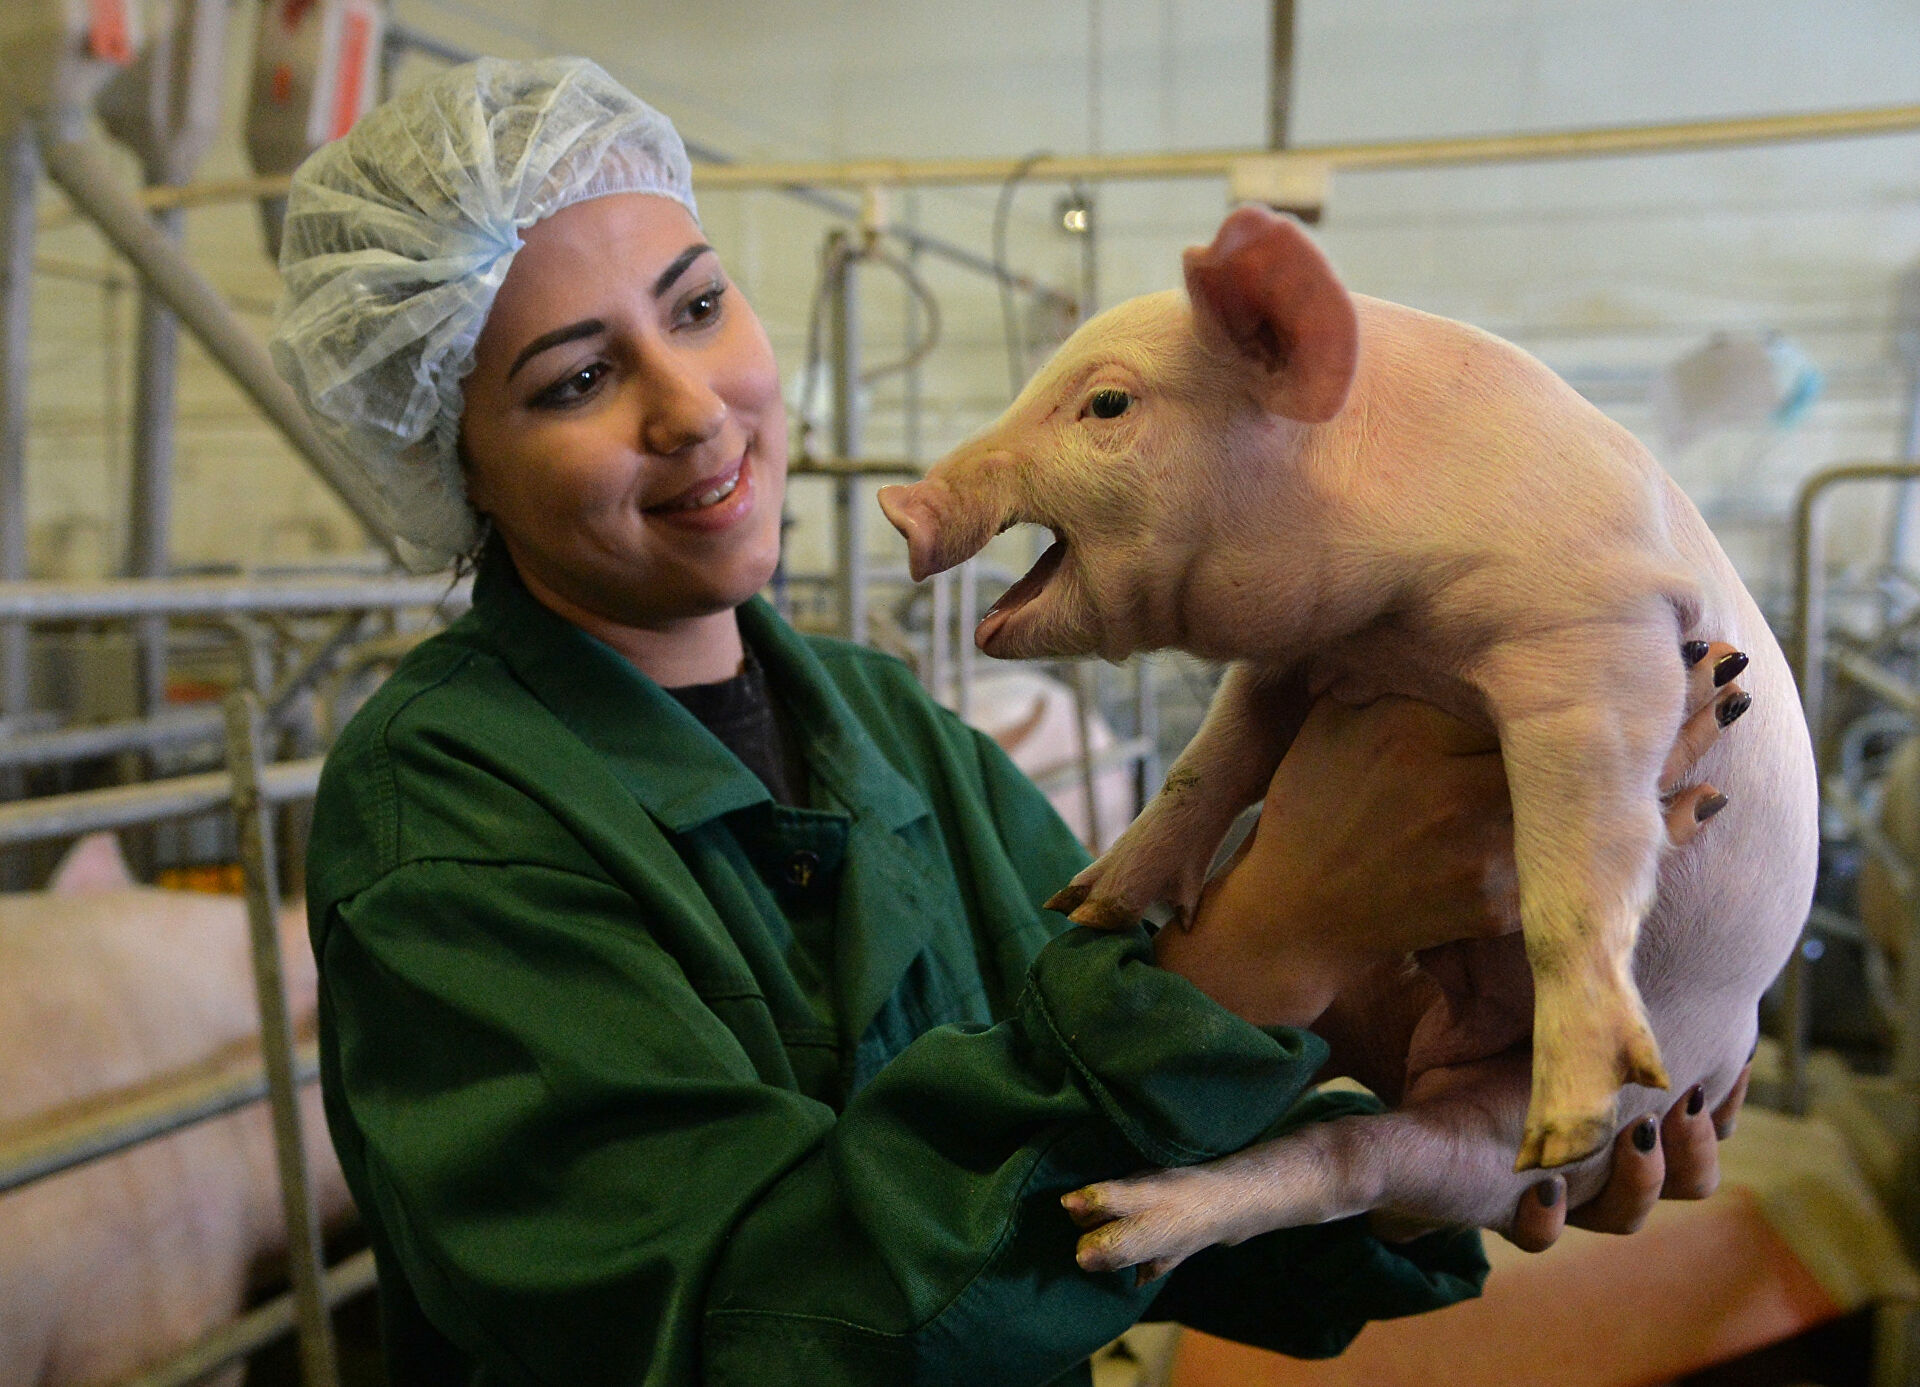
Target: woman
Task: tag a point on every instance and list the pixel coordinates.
(686, 1007)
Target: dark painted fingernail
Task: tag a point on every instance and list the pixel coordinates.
(1708, 807)
(1729, 668)
(1646, 1136)
(1733, 708)
(1696, 1100)
(1548, 1193)
(1693, 652)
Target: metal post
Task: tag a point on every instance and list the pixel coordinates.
(18, 187)
(849, 521)
(1280, 76)
(87, 179)
(967, 616)
(150, 502)
(304, 1255)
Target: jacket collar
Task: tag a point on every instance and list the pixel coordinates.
(679, 772)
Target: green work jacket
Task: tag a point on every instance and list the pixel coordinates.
(639, 1077)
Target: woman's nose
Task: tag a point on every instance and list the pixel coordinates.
(682, 409)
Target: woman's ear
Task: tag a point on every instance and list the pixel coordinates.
(1264, 296)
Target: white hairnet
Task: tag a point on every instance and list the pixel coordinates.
(398, 237)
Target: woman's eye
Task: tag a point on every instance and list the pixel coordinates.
(704, 305)
(571, 389)
(1109, 403)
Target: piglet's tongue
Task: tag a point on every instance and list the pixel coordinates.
(1019, 594)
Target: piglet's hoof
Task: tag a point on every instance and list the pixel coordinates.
(1103, 912)
(1553, 1144)
(1068, 898)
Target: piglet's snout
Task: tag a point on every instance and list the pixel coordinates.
(941, 530)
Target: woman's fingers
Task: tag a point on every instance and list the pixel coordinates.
(1633, 1186)
(1541, 1216)
(1689, 810)
(1714, 703)
(1691, 1147)
(1727, 1115)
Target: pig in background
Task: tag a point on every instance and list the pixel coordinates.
(1034, 720)
(1347, 496)
(106, 987)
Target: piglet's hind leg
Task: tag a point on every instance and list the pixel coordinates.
(1583, 768)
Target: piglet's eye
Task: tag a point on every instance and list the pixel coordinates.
(1109, 404)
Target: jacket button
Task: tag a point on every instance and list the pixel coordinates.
(801, 868)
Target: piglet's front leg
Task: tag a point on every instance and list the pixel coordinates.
(1164, 854)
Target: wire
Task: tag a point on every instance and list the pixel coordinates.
(1009, 317)
(930, 335)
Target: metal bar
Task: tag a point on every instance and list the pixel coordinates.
(122, 597)
(1280, 75)
(1883, 684)
(1593, 142)
(172, 727)
(1082, 676)
(966, 617)
(850, 548)
(122, 806)
(1806, 649)
(19, 182)
(150, 502)
(86, 178)
(258, 1328)
(855, 467)
(155, 1112)
(1807, 654)
(305, 1258)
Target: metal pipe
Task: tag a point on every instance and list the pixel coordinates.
(1593, 142)
(114, 599)
(150, 499)
(258, 1328)
(155, 1112)
(122, 806)
(305, 1258)
(19, 180)
(86, 178)
(1807, 655)
(1280, 75)
(171, 727)
(850, 548)
(1806, 647)
(966, 616)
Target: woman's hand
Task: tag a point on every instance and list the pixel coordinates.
(1673, 1158)
(1386, 831)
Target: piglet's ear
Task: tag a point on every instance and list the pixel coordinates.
(1264, 294)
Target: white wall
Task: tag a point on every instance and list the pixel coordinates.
(1605, 268)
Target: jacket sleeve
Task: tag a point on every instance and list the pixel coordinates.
(585, 1181)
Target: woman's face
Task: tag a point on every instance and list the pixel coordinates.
(623, 424)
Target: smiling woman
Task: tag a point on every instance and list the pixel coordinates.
(625, 435)
(688, 1009)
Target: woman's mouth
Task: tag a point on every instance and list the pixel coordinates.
(711, 503)
(708, 493)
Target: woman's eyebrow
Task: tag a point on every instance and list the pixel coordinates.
(679, 267)
(560, 336)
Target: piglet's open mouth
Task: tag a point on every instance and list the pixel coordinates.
(1020, 594)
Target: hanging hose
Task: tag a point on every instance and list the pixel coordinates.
(1009, 318)
(840, 256)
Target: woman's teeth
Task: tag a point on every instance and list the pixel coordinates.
(711, 497)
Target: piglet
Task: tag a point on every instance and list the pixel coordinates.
(1343, 495)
